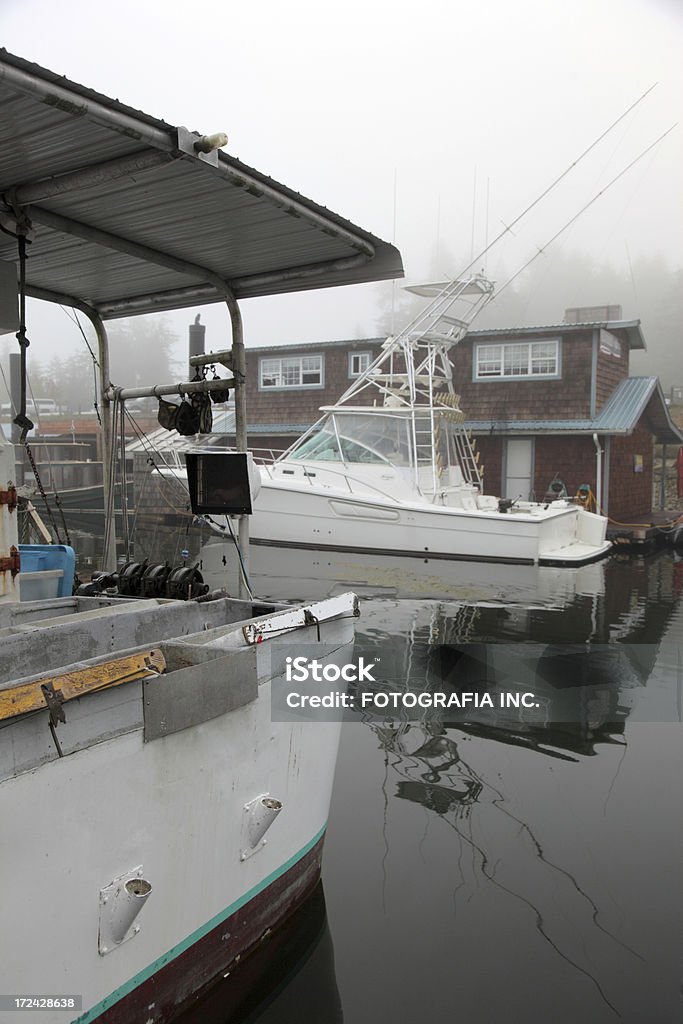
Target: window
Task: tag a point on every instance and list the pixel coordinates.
(609, 344)
(518, 359)
(358, 363)
(291, 372)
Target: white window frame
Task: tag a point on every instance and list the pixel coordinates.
(365, 357)
(288, 372)
(492, 359)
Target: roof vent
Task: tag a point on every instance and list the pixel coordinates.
(591, 314)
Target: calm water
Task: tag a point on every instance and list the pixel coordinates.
(496, 868)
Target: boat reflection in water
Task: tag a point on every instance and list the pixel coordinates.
(275, 571)
(538, 827)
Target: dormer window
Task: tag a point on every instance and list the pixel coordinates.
(520, 359)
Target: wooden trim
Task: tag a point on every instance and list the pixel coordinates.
(25, 697)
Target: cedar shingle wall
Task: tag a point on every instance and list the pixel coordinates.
(570, 458)
(567, 398)
(301, 405)
(630, 493)
(491, 458)
(609, 371)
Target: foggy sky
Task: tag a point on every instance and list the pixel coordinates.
(425, 123)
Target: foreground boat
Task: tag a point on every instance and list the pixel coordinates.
(158, 824)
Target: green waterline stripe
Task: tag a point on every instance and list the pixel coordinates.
(185, 944)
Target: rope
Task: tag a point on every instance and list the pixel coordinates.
(243, 570)
(591, 500)
(124, 481)
(43, 495)
(110, 470)
(51, 474)
(21, 419)
(95, 362)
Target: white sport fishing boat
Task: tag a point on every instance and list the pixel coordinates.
(391, 469)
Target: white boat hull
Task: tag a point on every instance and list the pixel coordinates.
(172, 809)
(312, 516)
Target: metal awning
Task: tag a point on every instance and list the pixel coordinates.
(129, 215)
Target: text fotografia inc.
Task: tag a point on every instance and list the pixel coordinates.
(396, 701)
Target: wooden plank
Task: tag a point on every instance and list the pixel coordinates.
(25, 697)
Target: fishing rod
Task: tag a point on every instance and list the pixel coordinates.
(583, 209)
(508, 227)
(444, 298)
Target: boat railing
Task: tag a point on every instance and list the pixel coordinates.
(311, 470)
(264, 456)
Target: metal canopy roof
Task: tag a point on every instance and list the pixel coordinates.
(128, 215)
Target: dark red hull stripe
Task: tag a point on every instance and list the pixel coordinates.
(166, 987)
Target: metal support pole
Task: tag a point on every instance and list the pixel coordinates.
(157, 390)
(598, 473)
(109, 553)
(239, 369)
(662, 480)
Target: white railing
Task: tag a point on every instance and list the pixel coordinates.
(310, 470)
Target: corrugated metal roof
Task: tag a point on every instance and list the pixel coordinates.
(630, 400)
(162, 440)
(631, 328)
(207, 219)
(626, 404)
(290, 346)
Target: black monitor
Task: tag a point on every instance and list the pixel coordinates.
(219, 483)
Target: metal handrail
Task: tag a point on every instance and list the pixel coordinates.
(308, 468)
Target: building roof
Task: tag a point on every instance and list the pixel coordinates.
(128, 216)
(631, 328)
(631, 399)
(290, 346)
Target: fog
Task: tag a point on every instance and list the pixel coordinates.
(432, 125)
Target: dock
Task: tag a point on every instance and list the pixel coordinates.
(647, 532)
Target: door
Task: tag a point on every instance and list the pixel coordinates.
(519, 460)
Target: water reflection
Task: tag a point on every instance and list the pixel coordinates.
(561, 872)
(430, 771)
(499, 866)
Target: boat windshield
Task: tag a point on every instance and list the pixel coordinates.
(358, 437)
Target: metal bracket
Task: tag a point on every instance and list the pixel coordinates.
(12, 562)
(312, 620)
(258, 815)
(9, 497)
(54, 700)
(191, 143)
(120, 903)
(224, 357)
